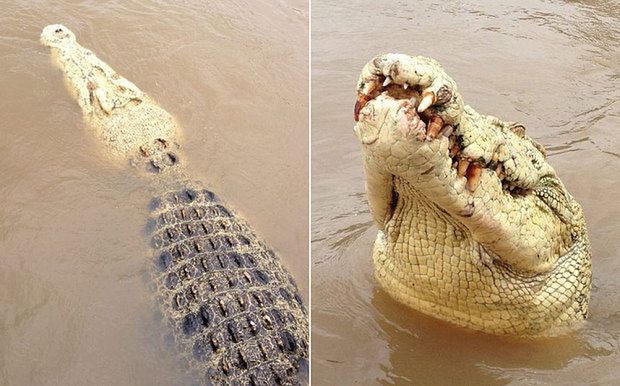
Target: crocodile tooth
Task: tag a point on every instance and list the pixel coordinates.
(473, 176)
(447, 130)
(427, 100)
(452, 141)
(499, 169)
(434, 126)
(387, 81)
(463, 166)
(405, 85)
(454, 149)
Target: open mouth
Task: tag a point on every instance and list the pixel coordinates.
(411, 98)
(419, 112)
(380, 84)
(417, 115)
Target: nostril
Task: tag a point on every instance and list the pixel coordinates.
(58, 30)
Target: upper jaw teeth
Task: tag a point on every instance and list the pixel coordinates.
(370, 88)
(388, 80)
(427, 100)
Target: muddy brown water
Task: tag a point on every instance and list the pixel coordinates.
(552, 65)
(75, 305)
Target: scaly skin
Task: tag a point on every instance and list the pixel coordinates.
(475, 227)
(129, 124)
(232, 309)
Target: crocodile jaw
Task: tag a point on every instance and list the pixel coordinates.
(395, 144)
(513, 225)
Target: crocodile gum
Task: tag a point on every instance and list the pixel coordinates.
(475, 227)
(232, 309)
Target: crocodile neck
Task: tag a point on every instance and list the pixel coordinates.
(428, 260)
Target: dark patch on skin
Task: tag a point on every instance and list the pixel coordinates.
(165, 260)
(378, 63)
(162, 142)
(288, 341)
(582, 300)
(189, 324)
(468, 211)
(443, 95)
(154, 167)
(393, 204)
(518, 129)
(172, 159)
(428, 170)
(395, 69)
(396, 91)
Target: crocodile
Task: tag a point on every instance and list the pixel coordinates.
(231, 309)
(475, 228)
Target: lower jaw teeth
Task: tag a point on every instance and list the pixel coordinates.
(473, 176)
(447, 131)
(462, 167)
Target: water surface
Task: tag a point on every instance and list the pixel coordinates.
(75, 305)
(552, 65)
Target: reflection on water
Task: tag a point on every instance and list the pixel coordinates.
(75, 304)
(552, 65)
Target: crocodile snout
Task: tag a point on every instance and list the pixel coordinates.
(55, 35)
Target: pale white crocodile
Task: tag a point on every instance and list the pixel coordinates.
(475, 227)
(232, 309)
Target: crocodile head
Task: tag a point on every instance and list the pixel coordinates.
(453, 191)
(129, 124)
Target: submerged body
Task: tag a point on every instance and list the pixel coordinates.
(232, 309)
(475, 227)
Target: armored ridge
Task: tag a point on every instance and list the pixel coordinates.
(235, 310)
(232, 309)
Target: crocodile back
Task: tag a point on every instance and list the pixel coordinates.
(235, 312)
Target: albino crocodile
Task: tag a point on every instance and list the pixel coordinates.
(475, 227)
(234, 312)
